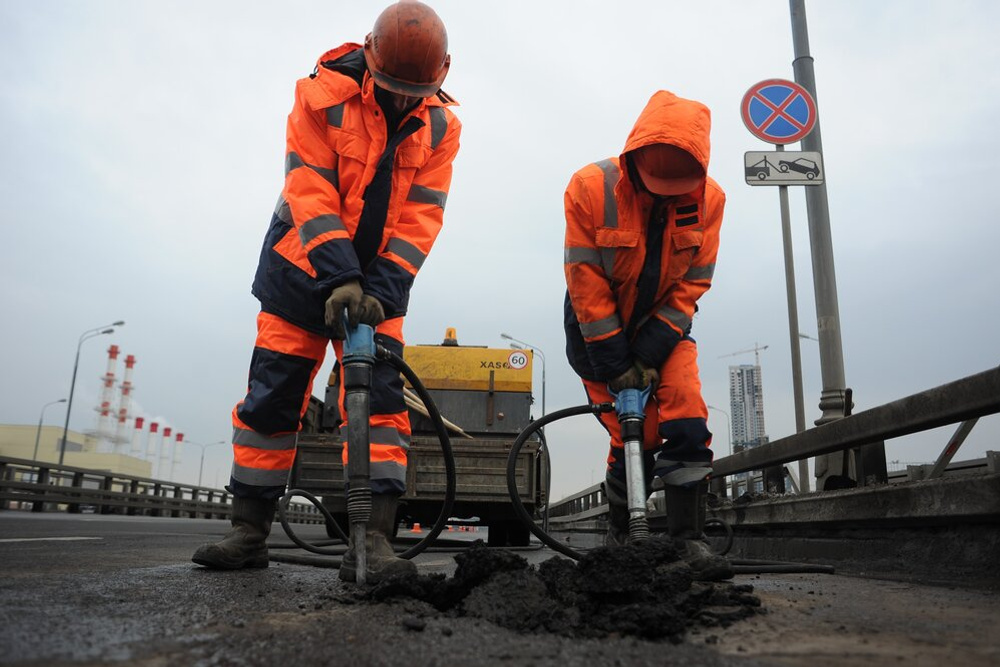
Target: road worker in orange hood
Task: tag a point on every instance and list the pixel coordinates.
(370, 143)
(642, 235)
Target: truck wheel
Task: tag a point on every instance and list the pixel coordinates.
(508, 533)
(518, 534)
(497, 535)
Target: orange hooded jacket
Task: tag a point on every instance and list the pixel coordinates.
(336, 220)
(610, 221)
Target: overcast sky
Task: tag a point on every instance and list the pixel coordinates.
(142, 152)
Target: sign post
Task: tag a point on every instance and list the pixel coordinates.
(782, 112)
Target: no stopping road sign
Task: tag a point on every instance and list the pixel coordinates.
(778, 111)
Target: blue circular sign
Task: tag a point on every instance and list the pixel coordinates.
(778, 111)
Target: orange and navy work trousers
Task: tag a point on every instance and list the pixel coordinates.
(675, 431)
(284, 364)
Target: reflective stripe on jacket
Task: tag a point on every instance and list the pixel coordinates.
(336, 140)
(607, 228)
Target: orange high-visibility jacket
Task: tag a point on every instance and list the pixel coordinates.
(336, 142)
(609, 223)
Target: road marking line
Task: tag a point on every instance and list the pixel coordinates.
(50, 539)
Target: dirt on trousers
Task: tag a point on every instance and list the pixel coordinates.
(642, 590)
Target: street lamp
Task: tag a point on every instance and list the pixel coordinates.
(540, 353)
(89, 333)
(729, 423)
(38, 434)
(201, 466)
(808, 337)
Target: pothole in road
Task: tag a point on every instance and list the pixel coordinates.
(644, 590)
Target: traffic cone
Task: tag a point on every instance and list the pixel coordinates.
(416, 528)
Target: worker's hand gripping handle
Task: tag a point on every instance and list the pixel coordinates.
(630, 404)
(358, 362)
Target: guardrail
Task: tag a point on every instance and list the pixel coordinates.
(44, 487)
(966, 399)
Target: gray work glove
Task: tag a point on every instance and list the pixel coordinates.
(346, 296)
(370, 311)
(630, 379)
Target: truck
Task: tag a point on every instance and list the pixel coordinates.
(487, 393)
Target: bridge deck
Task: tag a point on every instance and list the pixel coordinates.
(129, 593)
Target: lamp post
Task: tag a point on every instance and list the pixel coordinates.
(89, 333)
(38, 434)
(201, 466)
(729, 424)
(804, 463)
(540, 353)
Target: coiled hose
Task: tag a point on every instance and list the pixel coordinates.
(515, 498)
(449, 464)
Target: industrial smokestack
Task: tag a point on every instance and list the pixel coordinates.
(175, 461)
(152, 448)
(104, 410)
(164, 465)
(136, 450)
(124, 406)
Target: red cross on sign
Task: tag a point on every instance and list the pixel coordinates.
(778, 111)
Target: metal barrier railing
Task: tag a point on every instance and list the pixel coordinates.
(965, 399)
(42, 487)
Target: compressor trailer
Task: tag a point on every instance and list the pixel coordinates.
(486, 392)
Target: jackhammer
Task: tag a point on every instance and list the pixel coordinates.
(360, 352)
(630, 404)
(358, 361)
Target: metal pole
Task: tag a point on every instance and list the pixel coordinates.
(38, 433)
(201, 466)
(824, 276)
(729, 424)
(793, 326)
(542, 355)
(72, 385)
(833, 401)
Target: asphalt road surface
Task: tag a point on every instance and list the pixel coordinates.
(86, 589)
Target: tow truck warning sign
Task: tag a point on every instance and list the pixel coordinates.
(783, 167)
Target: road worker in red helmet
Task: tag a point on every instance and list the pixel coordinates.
(370, 143)
(642, 235)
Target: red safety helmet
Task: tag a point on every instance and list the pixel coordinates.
(407, 50)
(668, 170)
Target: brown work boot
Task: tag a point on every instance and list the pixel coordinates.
(617, 535)
(686, 522)
(382, 561)
(245, 544)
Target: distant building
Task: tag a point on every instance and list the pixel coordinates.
(746, 402)
(19, 442)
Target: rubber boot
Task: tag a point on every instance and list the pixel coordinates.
(245, 544)
(382, 560)
(617, 535)
(686, 521)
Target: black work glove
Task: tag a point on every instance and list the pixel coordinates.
(370, 311)
(650, 376)
(346, 296)
(630, 379)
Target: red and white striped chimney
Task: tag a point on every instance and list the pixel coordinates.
(124, 406)
(164, 464)
(104, 410)
(151, 445)
(175, 461)
(136, 450)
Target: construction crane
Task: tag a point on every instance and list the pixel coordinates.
(756, 349)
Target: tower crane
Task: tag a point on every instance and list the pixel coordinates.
(756, 349)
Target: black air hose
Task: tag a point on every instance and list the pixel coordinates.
(449, 464)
